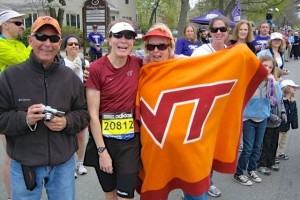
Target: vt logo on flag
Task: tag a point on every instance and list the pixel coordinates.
(157, 121)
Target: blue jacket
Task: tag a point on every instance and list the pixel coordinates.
(258, 106)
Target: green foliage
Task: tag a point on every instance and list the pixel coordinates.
(25, 35)
(138, 42)
(66, 30)
(168, 12)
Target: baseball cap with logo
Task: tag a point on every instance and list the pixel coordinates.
(9, 14)
(121, 26)
(45, 20)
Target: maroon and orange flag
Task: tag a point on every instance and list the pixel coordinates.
(190, 111)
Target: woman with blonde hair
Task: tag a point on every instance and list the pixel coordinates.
(157, 29)
(188, 43)
(242, 33)
(276, 47)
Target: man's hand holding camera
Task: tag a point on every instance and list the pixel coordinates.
(34, 114)
(53, 118)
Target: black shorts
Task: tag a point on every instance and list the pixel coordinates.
(125, 156)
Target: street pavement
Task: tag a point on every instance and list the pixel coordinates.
(281, 185)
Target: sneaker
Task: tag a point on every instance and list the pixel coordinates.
(242, 179)
(264, 171)
(76, 176)
(254, 176)
(277, 161)
(81, 169)
(214, 191)
(283, 157)
(274, 167)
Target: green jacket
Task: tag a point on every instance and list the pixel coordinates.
(12, 52)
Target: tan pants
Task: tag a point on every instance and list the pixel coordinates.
(282, 143)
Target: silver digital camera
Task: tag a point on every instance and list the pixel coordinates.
(51, 112)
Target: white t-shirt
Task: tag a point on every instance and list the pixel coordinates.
(204, 49)
(76, 66)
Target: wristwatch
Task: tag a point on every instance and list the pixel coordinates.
(100, 149)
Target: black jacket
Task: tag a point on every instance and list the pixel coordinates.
(292, 116)
(29, 83)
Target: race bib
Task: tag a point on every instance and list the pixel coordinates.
(117, 124)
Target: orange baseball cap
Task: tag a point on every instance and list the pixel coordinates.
(45, 20)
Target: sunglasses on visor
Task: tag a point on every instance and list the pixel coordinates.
(43, 37)
(215, 29)
(161, 47)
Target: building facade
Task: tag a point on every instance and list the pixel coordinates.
(73, 10)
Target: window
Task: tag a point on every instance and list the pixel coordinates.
(73, 20)
(30, 19)
(126, 1)
(129, 18)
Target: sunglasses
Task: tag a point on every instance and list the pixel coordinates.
(216, 29)
(127, 35)
(161, 47)
(73, 43)
(17, 23)
(43, 37)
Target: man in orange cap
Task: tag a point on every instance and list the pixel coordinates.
(41, 140)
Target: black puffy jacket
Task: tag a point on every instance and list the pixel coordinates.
(292, 116)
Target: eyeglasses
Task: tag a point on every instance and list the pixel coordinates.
(161, 47)
(17, 23)
(73, 43)
(43, 37)
(216, 29)
(127, 35)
